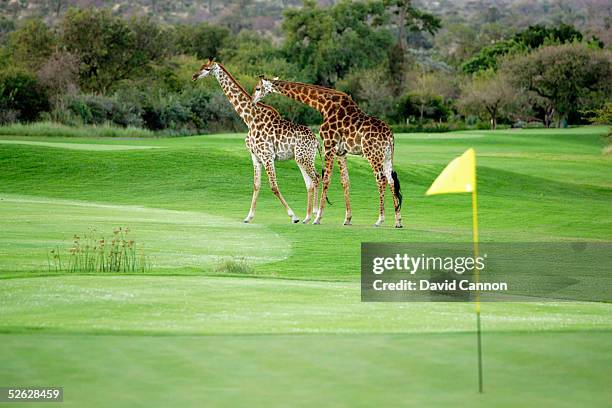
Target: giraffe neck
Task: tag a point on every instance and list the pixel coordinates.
(317, 97)
(237, 96)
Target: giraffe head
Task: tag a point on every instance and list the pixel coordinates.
(263, 87)
(205, 70)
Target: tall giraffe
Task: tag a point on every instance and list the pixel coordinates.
(270, 138)
(346, 129)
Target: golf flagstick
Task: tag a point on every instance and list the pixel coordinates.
(459, 176)
(475, 239)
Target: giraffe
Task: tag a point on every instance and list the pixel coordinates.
(346, 129)
(270, 138)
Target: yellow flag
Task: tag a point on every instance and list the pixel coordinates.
(458, 177)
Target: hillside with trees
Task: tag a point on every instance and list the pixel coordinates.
(419, 65)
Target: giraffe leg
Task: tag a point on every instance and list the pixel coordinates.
(256, 187)
(381, 180)
(330, 152)
(271, 172)
(388, 169)
(344, 176)
(315, 190)
(377, 167)
(310, 188)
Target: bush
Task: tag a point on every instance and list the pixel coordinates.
(98, 109)
(420, 106)
(234, 266)
(164, 112)
(21, 97)
(220, 115)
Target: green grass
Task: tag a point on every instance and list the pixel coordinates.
(52, 129)
(295, 332)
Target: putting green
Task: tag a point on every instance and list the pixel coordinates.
(215, 341)
(172, 239)
(220, 305)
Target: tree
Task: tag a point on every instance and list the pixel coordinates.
(489, 95)
(327, 43)
(32, 44)
(529, 39)
(59, 77)
(424, 92)
(428, 96)
(373, 92)
(408, 18)
(203, 40)
(603, 115)
(568, 77)
(251, 53)
(537, 35)
(405, 19)
(110, 49)
(458, 42)
(488, 57)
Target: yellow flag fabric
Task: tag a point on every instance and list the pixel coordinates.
(458, 177)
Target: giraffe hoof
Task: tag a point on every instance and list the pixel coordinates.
(306, 221)
(399, 226)
(316, 222)
(347, 223)
(295, 221)
(247, 221)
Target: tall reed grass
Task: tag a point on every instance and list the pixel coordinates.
(92, 254)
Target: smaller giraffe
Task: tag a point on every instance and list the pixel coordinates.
(270, 138)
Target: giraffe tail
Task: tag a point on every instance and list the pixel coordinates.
(322, 168)
(396, 185)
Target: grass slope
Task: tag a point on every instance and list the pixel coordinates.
(189, 338)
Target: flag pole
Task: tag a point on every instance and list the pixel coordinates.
(459, 176)
(475, 239)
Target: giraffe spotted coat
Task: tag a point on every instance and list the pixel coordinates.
(270, 138)
(346, 129)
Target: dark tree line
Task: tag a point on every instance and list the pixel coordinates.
(95, 67)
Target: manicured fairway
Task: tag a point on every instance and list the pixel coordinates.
(294, 333)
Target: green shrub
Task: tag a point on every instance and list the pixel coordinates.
(92, 109)
(220, 115)
(166, 112)
(195, 110)
(98, 109)
(21, 97)
(234, 266)
(426, 107)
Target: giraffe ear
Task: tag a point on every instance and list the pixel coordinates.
(211, 59)
(261, 76)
